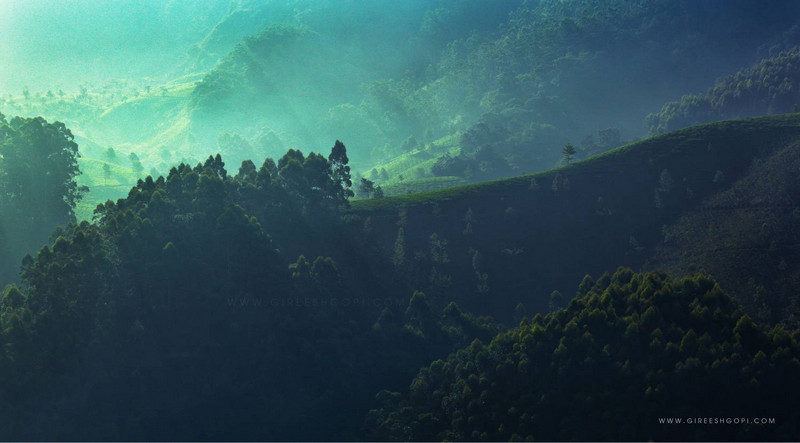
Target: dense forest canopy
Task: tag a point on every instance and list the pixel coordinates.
(627, 348)
(184, 275)
(179, 260)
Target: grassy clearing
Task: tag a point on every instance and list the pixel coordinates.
(421, 185)
(103, 186)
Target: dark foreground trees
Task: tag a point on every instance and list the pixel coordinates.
(189, 311)
(630, 349)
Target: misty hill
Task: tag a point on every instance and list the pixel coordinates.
(525, 79)
(563, 71)
(293, 75)
(86, 43)
(771, 87)
(435, 93)
(519, 239)
(308, 77)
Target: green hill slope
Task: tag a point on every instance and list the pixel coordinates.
(748, 237)
(520, 239)
(105, 180)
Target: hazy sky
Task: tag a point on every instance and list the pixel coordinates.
(46, 44)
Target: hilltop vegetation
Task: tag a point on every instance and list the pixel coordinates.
(771, 87)
(630, 349)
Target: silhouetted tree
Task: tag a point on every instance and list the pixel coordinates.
(568, 151)
(366, 188)
(340, 171)
(135, 163)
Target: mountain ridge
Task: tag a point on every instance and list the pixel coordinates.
(617, 205)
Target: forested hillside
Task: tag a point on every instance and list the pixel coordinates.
(630, 350)
(179, 313)
(180, 261)
(535, 76)
(556, 71)
(746, 236)
(771, 87)
(194, 303)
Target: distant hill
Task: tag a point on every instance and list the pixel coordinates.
(512, 83)
(554, 72)
(770, 87)
(285, 79)
(82, 43)
(505, 85)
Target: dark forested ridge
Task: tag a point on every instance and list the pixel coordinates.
(213, 305)
(628, 350)
(178, 312)
(746, 236)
